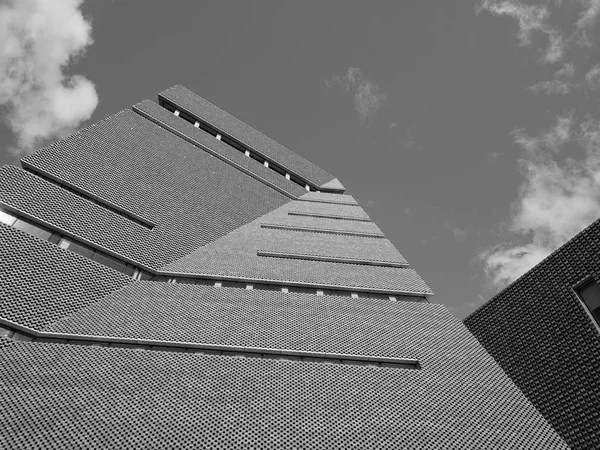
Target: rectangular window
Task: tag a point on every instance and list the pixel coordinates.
(109, 261)
(235, 284)
(55, 238)
(33, 229)
(160, 278)
(276, 168)
(7, 218)
(337, 292)
(256, 157)
(266, 287)
(374, 296)
(239, 147)
(76, 247)
(302, 290)
(590, 294)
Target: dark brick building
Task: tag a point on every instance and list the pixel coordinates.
(544, 332)
(172, 278)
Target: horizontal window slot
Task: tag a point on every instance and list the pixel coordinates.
(87, 197)
(23, 334)
(332, 259)
(330, 202)
(257, 158)
(232, 142)
(42, 232)
(276, 168)
(329, 216)
(239, 147)
(321, 230)
(187, 117)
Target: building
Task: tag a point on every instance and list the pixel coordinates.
(172, 278)
(543, 330)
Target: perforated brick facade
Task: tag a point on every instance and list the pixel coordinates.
(171, 284)
(541, 335)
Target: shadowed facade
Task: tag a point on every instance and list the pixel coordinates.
(543, 330)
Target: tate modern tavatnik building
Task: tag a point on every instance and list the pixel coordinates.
(172, 278)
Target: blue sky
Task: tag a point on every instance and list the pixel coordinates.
(468, 130)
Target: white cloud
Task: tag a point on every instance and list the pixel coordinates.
(552, 139)
(559, 197)
(567, 71)
(38, 40)
(460, 234)
(530, 19)
(557, 86)
(588, 17)
(553, 87)
(556, 49)
(367, 97)
(592, 78)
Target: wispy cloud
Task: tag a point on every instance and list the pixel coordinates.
(560, 193)
(592, 78)
(559, 197)
(562, 85)
(587, 19)
(460, 234)
(530, 19)
(567, 71)
(38, 40)
(368, 98)
(552, 139)
(552, 87)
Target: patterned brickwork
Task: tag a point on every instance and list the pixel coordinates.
(191, 196)
(247, 135)
(342, 199)
(166, 119)
(539, 333)
(256, 318)
(52, 205)
(327, 208)
(235, 255)
(5, 342)
(62, 396)
(353, 226)
(42, 283)
(164, 382)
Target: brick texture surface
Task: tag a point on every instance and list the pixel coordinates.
(201, 138)
(539, 333)
(235, 255)
(208, 218)
(329, 198)
(258, 318)
(66, 397)
(247, 135)
(327, 208)
(191, 196)
(42, 283)
(5, 342)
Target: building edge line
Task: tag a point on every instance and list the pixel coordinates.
(31, 333)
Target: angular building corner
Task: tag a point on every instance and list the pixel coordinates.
(172, 278)
(544, 331)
